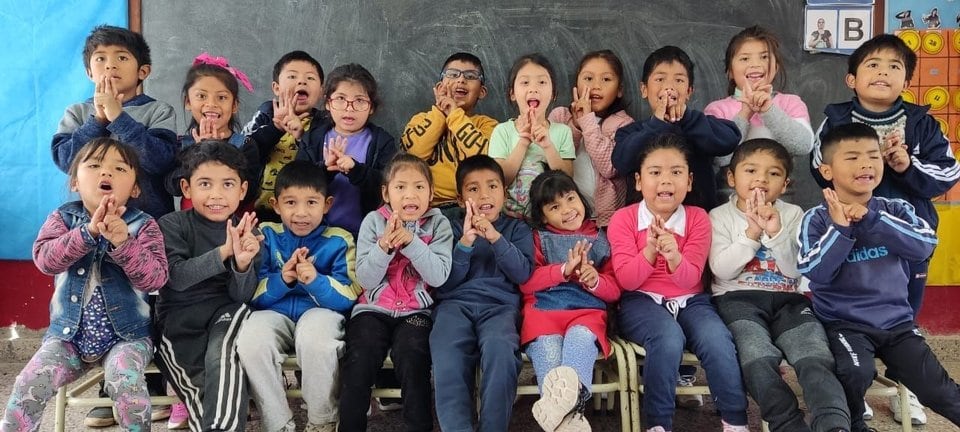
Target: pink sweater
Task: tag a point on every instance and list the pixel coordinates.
(634, 272)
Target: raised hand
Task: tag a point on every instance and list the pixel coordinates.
(666, 242)
(93, 227)
(895, 152)
(855, 212)
(98, 100)
(306, 271)
(388, 229)
(336, 157)
(112, 227)
(469, 232)
(483, 225)
(107, 98)
(574, 258)
(676, 105)
(523, 124)
(768, 215)
(284, 115)
(443, 96)
(836, 209)
(289, 270)
(207, 129)
(400, 236)
(587, 274)
(540, 132)
(245, 243)
(581, 103)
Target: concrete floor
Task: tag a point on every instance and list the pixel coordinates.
(13, 354)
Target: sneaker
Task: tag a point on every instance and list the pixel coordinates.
(326, 427)
(688, 400)
(917, 416)
(99, 417)
(291, 426)
(657, 429)
(179, 417)
(727, 427)
(867, 411)
(159, 412)
(575, 421)
(389, 404)
(558, 397)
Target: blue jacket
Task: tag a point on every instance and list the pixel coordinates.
(707, 137)
(933, 169)
(66, 249)
(859, 273)
(334, 256)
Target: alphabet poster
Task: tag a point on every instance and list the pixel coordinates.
(837, 27)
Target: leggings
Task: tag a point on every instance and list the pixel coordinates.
(577, 349)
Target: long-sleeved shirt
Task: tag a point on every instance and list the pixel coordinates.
(933, 168)
(858, 273)
(707, 137)
(593, 169)
(145, 124)
(197, 273)
(444, 141)
(628, 237)
(741, 263)
(333, 256)
(489, 273)
(787, 122)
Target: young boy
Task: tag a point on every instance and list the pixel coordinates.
(755, 281)
(450, 131)
(211, 255)
(475, 323)
(307, 283)
(282, 125)
(667, 84)
(855, 249)
(919, 164)
(117, 60)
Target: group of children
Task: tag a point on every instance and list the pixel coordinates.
(470, 242)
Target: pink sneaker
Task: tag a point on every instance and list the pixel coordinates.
(179, 417)
(727, 427)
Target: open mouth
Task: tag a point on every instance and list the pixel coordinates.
(301, 95)
(572, 217)
(211, 115)
(460, 93)
(485, 207)
(411, 208)
(665, 195)
(880, 84)
(533, 103)
(756, 76)
(347, 119)
(865, 178)
(106, 186)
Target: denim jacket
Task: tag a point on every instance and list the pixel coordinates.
(64, 248)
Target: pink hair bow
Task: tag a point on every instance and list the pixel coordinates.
(205, 58)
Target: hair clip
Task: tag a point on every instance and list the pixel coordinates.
(241, 77)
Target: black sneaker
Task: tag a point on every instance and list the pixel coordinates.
(99, 417)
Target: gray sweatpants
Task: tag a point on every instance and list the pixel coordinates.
(267, 339)
(770, 326)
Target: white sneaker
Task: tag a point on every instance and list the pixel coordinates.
(917, 416)
(685, 400)
(727, 427)
(867, 411)
(657, 429)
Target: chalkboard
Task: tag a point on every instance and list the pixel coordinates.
(403, 42)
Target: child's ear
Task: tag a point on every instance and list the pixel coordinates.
(275, 87)
(620, 91)
(143, 72)
(90, 75)
(383, 193)
(690, 183)
(328, 204)
(786, 182)
(689, 91)
(274, 204)
(135, 192)
(826, 171)
(513, 97)
(236, 106)
(851, 81)
(636, 177)
(643, 90)
(461, 202)
(185, 188)
(243, 189)
(731, 181)
(483, 92)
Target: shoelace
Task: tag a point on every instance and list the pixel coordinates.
(673, 307)
(686, 380)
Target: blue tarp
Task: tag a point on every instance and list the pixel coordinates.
(42, 73)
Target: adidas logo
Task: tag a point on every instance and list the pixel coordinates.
(866, 254)
(224, 318)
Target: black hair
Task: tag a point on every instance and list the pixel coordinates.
(547, 187)
(845, 132)
(667, 54)
(208, 150)
(105, 35)
(356, 73)
(480, 162)
(406, 160)
(301, 173)
(881, 43)
(97, 149)
(293, 56)
(466, 58)
(667, 140)
(758, 34)
(221, 74)
(537, 59)
(618, 103)
(757, 145)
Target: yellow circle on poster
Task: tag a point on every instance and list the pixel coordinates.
(944, 127)
(908, 96)
(937, 98)
(911, 38)
(932, 43)
(956, 40)
(956, 101)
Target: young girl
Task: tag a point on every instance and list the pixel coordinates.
(759, 110)
(211, 94)
(564, 301)
(659, 250)
(594, 116)
(530, 144)
(403, 249)
(106, 257)
(355, 151)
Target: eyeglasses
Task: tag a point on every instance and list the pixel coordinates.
(469, 75)
(341, 103)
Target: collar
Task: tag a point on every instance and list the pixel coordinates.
(677, 222)
(891, 112)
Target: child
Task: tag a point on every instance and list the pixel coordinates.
(919, 164)
(117, 60)
(403, 249)
(283, 125)
(855, 249)
(594, 116)
(755, 281)
(659, 249)
(351, 148)
(211, 255)
(667, 84)
(475, 321)
(211, 94)
(306, 285)
(102, 253)
(753, 63)
(565, 300)
(450, 131)
(530, 144)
